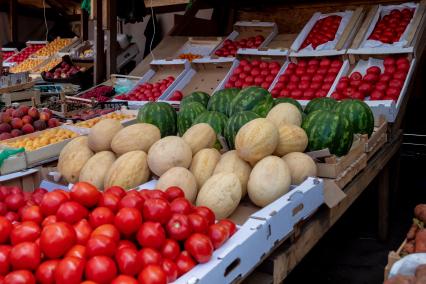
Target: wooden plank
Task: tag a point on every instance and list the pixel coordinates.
(99, 72)
(84, 23)
(13, 21)
(111, 32)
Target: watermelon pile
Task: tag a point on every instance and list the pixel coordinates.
(187, 114)
(160, 114)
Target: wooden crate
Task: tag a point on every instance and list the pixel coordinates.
(17, 87)
(378, 138)
(28, 180)
(22, 97)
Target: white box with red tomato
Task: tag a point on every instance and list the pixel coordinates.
(32, 47)
(380, 81)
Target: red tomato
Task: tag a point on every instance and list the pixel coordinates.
(26, 256)
(32, 213)
(69, 270)
(51, 202)
(179, 228)
(116, 190)
(19, 277)
(128, 262)
(124, 279)
(71, 212)
(156, 210)
(131, 201)
(56, 239)
(355, 76)
(371, 78)
(14, 201)
(184, 262)
(218, 234)
(231, 226)
(399, 75)
(147, 256)
(374, 70)
(101, 216)
(110, 201)
(45, 273)
(85, 194)
(51, 219)
(152, 274)
(181, 205)
(171, 269)
(170, 249)
(200, 247)
(4, 259)
(12, 216)
(83, 230)
(390, 70)
(151, 234)
(392, 92)
(126, 244)
(389, 61)
(3, 209)
(198, 223)
(5, 229)
(25, 232)
(174, 192)
(100, 245)
(395, 84)
(128, 220)
(77, 251)
(107, 230)
(377, 95)
(206, 213)
(101, 269)
(365, 88)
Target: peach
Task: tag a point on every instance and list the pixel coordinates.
(53, 122)
(5, 117)
(24, 109)
(28, 128)
(33, 112)
(27, 119)
(5, 136)
(39, 125)
(44, 116)
(5, 127)
(17, 113)
(17, 123)
(16, 132)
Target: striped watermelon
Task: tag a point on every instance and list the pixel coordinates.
(200, 97)
(359, 115)
(255, 99)
(160, 114)
(220, 100)
(328, 129)
(216, 120)
(234, 124)
(320, 103)
(187, 115)
(290, 101)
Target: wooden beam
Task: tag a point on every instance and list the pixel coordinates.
(99, 72)
(111, 33)
(13, 21)
(84, 25)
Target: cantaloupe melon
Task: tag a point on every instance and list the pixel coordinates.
(256, 140)
(128, 171)
(230, 162)
(200, 136)
(180, 177)
(203, 165)
(292, 138)
(102, 133)
(73, 157)
(96, 168)
(269, 180)
(169, 152)
(221, 193)
(139, 136)
(301, 166)
(285, 113)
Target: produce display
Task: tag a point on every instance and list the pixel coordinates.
(115, 115)
(29, 64)
(49, 65)
(390, 28)
(7, 54)
(99, 93)
(25, 120)
(54, 46)
(147, 236)
(147, 91)
(90, 113)
(64, 71)
(377, 83)
(230, 47)
(307, 79)
(189, 56)
(416, 236)
(25, 53)
(253, 73)
(323, 31)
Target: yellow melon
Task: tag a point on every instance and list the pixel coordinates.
(200, 136)
(180, 177)
(96, 168)
(285, 113)
(203, 165)
(102, 133)
(301, 166)
(139, 136)
(292, 138)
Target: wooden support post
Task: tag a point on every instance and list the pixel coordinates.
(383, 199)
(13, 21)
(99, 73)
(84, 23)
(111, 32)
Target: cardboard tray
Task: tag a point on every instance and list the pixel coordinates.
(13, 164)
(201, 46)
(7, 63)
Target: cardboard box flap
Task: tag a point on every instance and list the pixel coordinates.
(332, 194)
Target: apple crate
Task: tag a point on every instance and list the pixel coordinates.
(11, 60)
(409, 41)
(260, 230)
(246, 29)
(198, 46)
(382, 107)
(159, 70)
(348, 26)
(296, 60)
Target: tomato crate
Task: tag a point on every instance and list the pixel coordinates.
(374, 38)
(388, 101)
(17, 58)
(160, 70)
(198, 47)
(247, 29)
(28, 179)
(377, 139)
(346, 25)
(260, 230)
(8, 52)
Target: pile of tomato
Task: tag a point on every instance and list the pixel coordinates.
(375, 84)
(390, 28)
(230, 47)
(147, 91)
(253, 73)
(323, 31)
(87, 236)
(307, 79)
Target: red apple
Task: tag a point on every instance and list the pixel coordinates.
(27, 119)
(5, 136)
(27, 128)
(5, 117)
(44, 116)
(5, 127)
(17, 113)
(17, 123)
(24, 109)
(16, 132)
(53, 122)
(33, 112)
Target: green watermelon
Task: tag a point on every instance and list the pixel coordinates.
(216, 120)
(200, 97)
(255, 99)
(290, 101)
(359, 115)
(160, 114)
(234, 124)
(187, 115)
(328, 129)
(220, 100)
(320, 103)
